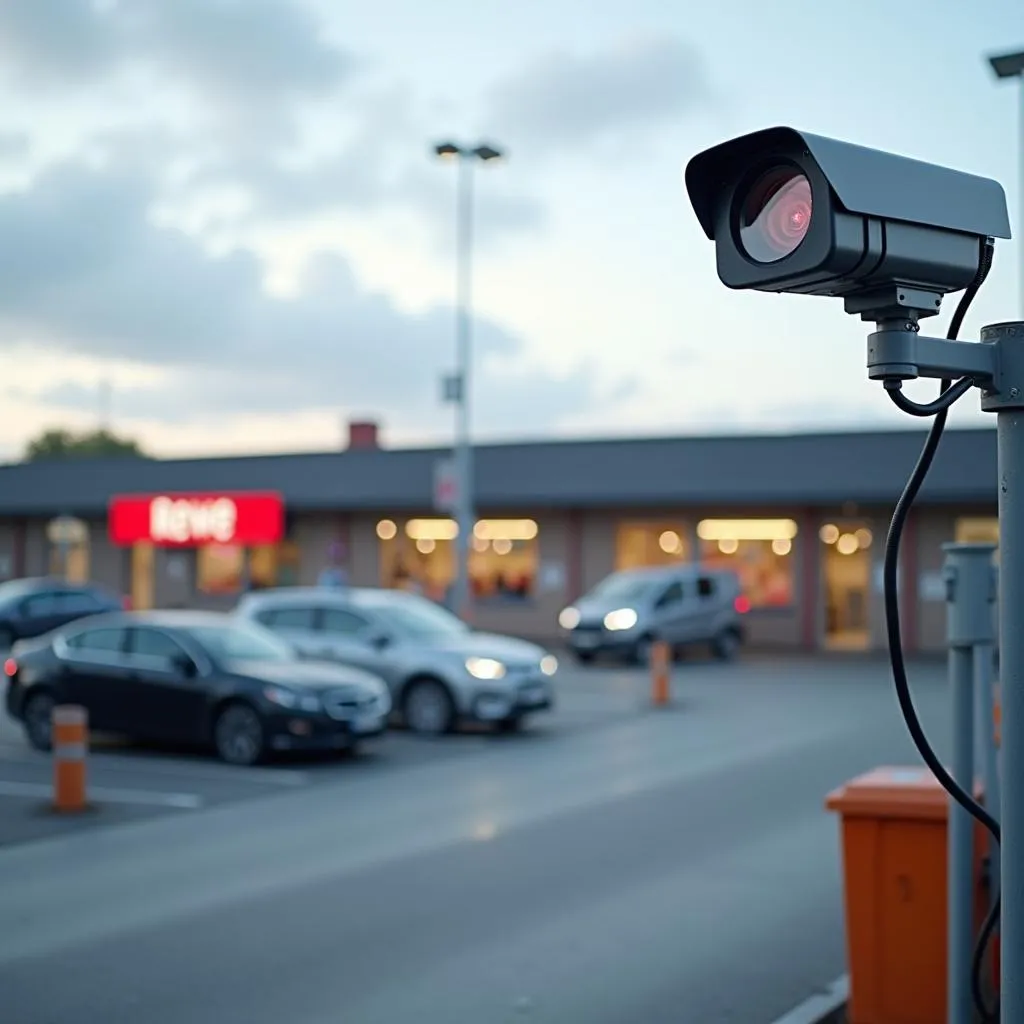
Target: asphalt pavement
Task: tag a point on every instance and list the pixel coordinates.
(615, 864)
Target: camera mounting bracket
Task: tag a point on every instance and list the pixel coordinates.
(893, 301)
(897, 351)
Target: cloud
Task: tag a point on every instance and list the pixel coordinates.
(383, 161)
(14, 145)
(63, 42)
(86, 270)
(243, 50)
(565, 101)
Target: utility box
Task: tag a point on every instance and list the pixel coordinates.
(894, 849)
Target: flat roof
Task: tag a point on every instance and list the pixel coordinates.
(766, 469)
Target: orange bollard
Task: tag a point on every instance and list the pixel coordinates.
(70, 745)
(661, 656)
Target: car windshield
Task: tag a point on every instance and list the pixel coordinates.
(623, 586)
(241, 643)
(416, 617)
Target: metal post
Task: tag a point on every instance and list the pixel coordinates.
(1020, 191)
(969, 595)
(985, 712)
(465, 516)
(1011, 672)
(1006, 399)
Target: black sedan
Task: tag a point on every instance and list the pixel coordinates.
(33, 606)
(192, 678)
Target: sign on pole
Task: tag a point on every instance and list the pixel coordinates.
(66, 530)
(451, 389)
(446, 486)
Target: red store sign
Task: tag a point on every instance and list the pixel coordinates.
(191, 520)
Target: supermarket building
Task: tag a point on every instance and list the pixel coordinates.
(802, 518)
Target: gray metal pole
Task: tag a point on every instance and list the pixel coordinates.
(985, 712)
(465, 516)
(1011, 671)
(970, 626)
(960, 871)
(1020, 192)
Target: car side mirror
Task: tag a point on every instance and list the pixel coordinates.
(185, 665)
(380, 641)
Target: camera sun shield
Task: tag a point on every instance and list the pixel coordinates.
(793, 212)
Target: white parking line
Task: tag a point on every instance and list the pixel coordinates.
(191, 770)
(109, 761)
(823, 1008)
(36, 790)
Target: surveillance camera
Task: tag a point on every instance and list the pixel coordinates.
(793, 212)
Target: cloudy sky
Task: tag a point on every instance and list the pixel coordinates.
(221, 226)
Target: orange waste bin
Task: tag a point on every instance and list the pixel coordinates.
(894, 864)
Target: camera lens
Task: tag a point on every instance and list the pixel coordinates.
(775, 215)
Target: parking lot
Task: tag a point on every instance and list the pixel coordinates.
(129, 782)
(659, 846)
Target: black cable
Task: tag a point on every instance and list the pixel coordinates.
(890, 576)
(945, 400)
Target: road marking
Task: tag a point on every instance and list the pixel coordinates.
(109, 761)
(189, 769)
(34, 790)
(823, 1008)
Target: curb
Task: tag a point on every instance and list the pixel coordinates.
(826, 1007)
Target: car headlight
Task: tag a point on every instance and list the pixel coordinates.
(569, 618)
(549, 664)
(621, 618)
(383, 697)
(284, 698)
(485, 668)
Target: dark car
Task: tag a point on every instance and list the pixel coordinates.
(33, 606)
(192, 678)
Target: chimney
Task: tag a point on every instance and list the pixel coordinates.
(362, 435)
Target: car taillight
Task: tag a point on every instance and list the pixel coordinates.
(10, 668)
(742, 604)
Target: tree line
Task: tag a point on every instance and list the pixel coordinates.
(58, 443)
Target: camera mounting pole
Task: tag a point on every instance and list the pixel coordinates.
(897, 352)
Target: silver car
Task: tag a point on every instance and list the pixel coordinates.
(439, 670)
(681, 604)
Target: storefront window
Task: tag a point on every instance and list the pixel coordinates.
(979, 530)
(220, 568)
(758, 550)
(420, 556)
(641, 544)
(274, 565)
(70, 562)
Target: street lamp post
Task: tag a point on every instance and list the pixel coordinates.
(465, 517)
(1011, 65)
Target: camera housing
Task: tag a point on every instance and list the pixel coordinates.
(793, 212)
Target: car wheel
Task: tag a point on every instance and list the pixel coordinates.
(510, 725)
(37, 717)
(727, 645)
(428, 708)
(239, 736)
(584, 657)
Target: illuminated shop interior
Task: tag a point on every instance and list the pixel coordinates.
(979, 530)
(758, 550)
(419, 555)
(221, 568)
(642, 544)
(846, 573)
